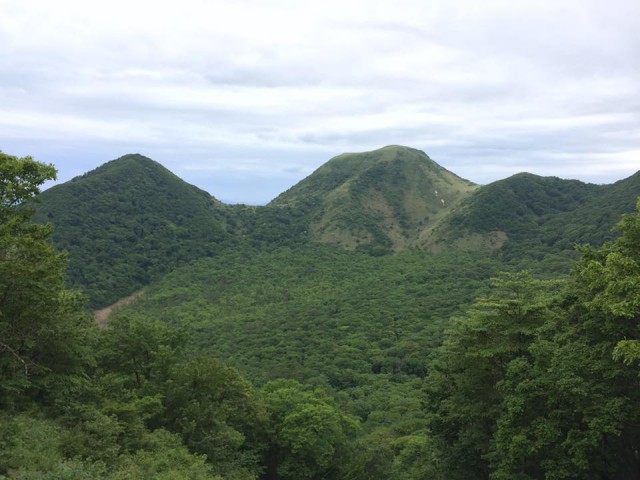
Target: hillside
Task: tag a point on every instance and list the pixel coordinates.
(269, 357)
(317, 312)
(370, 330)
(376, 201)
(128, 222)
(528, 218)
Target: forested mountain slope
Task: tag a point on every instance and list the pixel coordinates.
(129, 221)
(508, 394)
(316, 312)
(349, 366)
(352, 326)
(526, 218)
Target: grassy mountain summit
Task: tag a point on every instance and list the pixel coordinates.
(127, 222)
(376, 201)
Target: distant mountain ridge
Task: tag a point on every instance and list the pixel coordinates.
(131, 220)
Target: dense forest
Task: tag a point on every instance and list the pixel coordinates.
(279, 343)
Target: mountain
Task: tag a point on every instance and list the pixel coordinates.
(428, 382)
(128, 222)
(131, 221)
(529, 216)
(376, 201)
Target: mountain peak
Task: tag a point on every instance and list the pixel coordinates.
(378, 200)
(127, 165)
(392, 150)
(133, 156)
(388, 153)
(130, 204)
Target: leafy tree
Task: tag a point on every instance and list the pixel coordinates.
(594, 393)
(462, 387)
(214, 409)
(34, 448)
(552, 394)
(308, 435)
(165, 458)
(41, 323)
(140, 348)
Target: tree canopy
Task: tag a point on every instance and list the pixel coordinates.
(273, 360)
(41, 321)
(545, 384)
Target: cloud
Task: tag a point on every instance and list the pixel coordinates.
(258, 94)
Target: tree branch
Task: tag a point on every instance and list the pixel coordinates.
(6, 347)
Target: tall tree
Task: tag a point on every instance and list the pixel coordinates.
(585, 424)
(463, 397)
(40, 321)
(308, 436)
(216, 412)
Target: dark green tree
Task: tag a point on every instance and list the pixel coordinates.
(308, 435)
(216, 412)
(140, 349)
(41, 322)
(463, 397)
(571, 409)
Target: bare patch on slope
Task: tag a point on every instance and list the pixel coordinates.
(101, 316)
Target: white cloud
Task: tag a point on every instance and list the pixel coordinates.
(265, 89)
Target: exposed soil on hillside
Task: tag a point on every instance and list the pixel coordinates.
(102, 316)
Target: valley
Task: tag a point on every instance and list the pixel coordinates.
(382, 318)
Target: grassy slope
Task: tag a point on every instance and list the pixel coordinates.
(376, 201)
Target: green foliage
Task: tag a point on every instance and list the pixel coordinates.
(92, 398)
(214, 409)
(128, 222)
(131, 221)
(28, 441)
(362, 325)
(41, 325)
(20, 179)
(376, 202)
(33, 449)
(140, 349)
(308, 435)
(462, 388)
(317, 312)
(543, 218)
(148, 381)
(360, 374)
(270, 227)
(545, 394)
(166, 458)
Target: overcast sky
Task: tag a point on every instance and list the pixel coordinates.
(245, 98)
